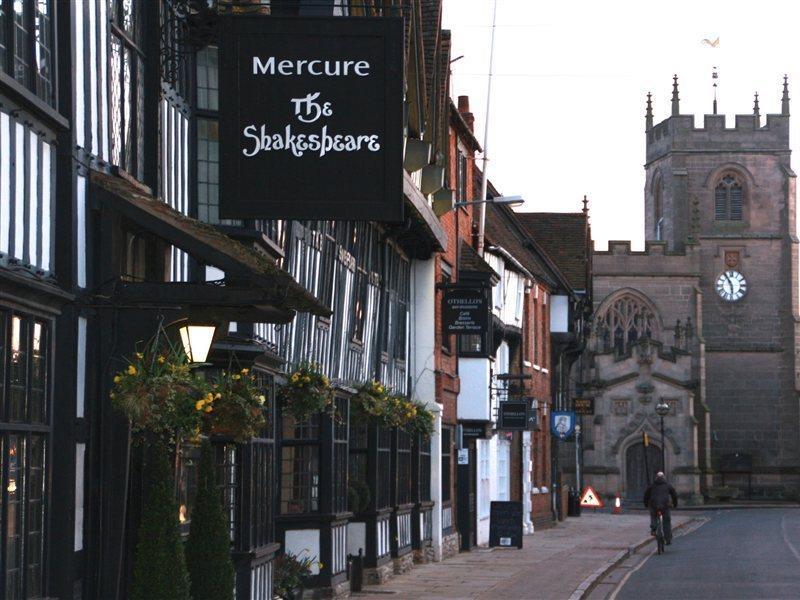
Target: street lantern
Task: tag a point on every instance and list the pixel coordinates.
(662, 410)
(196, 339)
(510, 200)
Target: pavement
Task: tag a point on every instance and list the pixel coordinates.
(734, 554)
(559, 563)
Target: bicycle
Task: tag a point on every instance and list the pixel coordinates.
(660, 537)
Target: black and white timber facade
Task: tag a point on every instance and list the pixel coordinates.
(105, 107)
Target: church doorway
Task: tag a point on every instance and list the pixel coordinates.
(636, 474)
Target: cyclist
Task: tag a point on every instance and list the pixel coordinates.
(657, 497)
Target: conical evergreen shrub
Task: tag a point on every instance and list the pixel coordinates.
(159, 566)
(208, 551)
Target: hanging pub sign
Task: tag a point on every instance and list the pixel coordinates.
(311, 118)
(562, 423)
(583, 406)
(465, 310)
(513, 415)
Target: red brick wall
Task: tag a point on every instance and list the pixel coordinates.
(457, 225)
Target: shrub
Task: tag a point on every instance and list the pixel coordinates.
(208, 548)
(159, 565)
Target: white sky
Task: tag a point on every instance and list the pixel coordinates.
(571, 76)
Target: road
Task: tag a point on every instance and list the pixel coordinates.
(737, 554)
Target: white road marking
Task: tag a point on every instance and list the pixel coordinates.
(786, 539)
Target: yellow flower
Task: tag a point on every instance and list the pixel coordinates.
(320, 565)
(139, 355)
(261, 399)
(245, 371)
(325, 380)
(218, 396)
(295, 377)
(161, 360)
(307, 379)
(112, 395)
(117, 379)
(199, 404)
(131, 370)
(209, 409)
(237, 377)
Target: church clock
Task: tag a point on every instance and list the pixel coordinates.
(731, 286)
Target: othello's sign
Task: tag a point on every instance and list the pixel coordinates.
(465, 310)
(311, 118)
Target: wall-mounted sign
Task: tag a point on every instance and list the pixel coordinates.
(473, 431)
(463, 456)
(583, 406)
(562, 423)
(311, 118)
(533, 414)
(513, 415)
(465, 310)
(505, 524)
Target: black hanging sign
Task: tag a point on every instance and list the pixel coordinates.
(505, 524)
(513, 415)
(311, 118)
(583, 406)
(465, 310)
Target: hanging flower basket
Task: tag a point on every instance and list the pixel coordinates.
(373, 400)
(159, 393)
(306, 392)
(235, 408)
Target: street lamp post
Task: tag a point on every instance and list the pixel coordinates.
(662, 410)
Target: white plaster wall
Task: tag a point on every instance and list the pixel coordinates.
(304, 543)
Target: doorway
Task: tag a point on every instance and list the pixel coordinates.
(640, 469)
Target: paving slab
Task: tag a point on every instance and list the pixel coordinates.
(553, 563)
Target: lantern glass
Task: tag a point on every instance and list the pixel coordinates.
(662, 409)
(196, 340)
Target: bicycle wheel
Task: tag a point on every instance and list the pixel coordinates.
(660, 534)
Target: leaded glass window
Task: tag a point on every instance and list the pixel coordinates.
(24, 416)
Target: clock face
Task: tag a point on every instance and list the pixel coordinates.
(731, 286)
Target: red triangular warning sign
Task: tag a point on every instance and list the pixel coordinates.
(591, 499)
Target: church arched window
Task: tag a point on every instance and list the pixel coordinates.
(628, 319)
(728, 199)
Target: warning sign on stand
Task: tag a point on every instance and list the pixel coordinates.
(591, 499)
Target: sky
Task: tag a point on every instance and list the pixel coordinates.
(570, 82)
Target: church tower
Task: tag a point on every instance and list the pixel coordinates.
(727, 196)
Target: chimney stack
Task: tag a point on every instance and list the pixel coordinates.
(463, 109)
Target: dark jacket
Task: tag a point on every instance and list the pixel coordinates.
(658, 494)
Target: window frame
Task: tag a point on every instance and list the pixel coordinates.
(725, 202)
(25, 430)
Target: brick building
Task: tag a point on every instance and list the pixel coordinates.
(704, 320)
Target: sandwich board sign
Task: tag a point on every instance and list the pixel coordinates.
(591, 499)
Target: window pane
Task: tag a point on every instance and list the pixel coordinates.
(299, 479)
(3, 40)
(38, 389)
(44, 60)
(15, 485)
(34, 515)
(207, 77)
(21, 54)
(736, 203)
(721, 204)
(19, 373)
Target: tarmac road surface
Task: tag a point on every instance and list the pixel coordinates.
(737, 554)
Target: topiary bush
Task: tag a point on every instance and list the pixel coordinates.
(208, 549)
(159, 565)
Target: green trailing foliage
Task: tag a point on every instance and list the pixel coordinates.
(159, 565)
(208, 549)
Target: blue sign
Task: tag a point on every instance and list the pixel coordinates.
(562, 423)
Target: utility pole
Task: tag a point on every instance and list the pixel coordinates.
(484, 178)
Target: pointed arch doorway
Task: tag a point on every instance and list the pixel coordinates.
(636, 475)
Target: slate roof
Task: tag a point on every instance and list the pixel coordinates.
(566, 239)
(470, 261)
